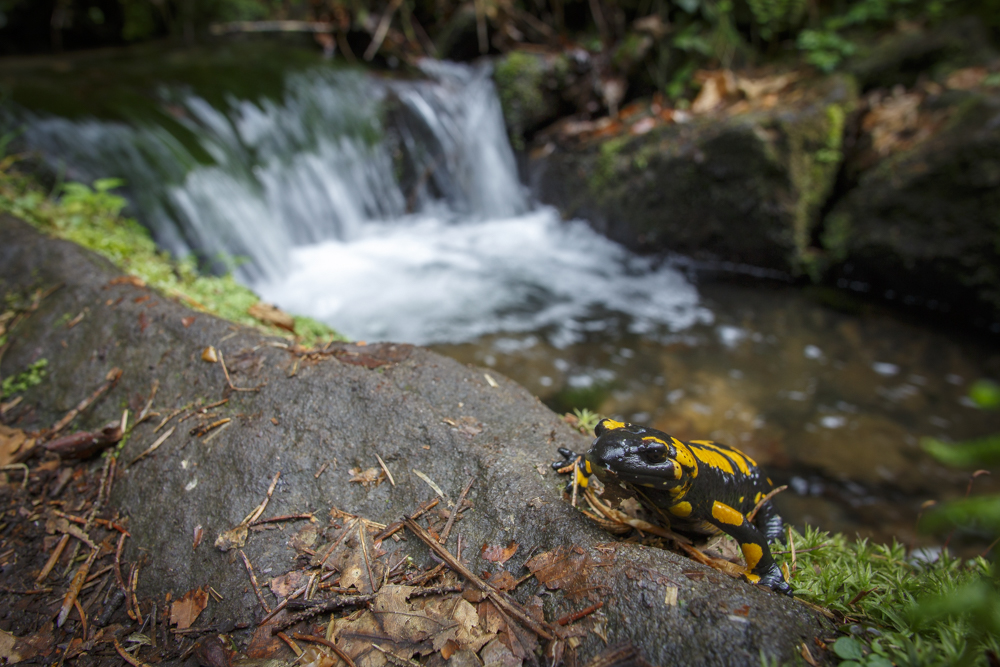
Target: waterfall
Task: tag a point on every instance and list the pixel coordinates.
(389, 208)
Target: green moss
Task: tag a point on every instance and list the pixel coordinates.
(880, 593)
(519, 79)
(29, 377)
(606, 165)
(814, 158)
(92, 218)
(837, 235)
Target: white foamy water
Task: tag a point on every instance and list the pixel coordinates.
(424, 280)
(390, 209)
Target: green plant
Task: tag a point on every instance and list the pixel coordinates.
(586, 420)
(877, 593)
(29, 377)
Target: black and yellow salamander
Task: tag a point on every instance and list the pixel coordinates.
(706, 487)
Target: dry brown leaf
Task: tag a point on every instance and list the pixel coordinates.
(560, 567)
(184, 612)
(354, 571)
(13, 442)
(966, 79)
(503, 581)
(305, 538)
(366, 477)
(284, 585)
(501, 555)
(317, 656)
(497, 655)
(273, 315)
(233, 538)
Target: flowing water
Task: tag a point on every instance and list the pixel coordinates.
(392, 209)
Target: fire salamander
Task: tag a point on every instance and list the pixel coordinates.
(706, 487)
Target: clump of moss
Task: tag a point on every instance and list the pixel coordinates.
(92, 217)
(875, 593)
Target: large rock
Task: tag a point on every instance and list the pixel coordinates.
(742, 184)
(313, 418)
(922, 223)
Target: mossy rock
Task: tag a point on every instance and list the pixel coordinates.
(743, 188)
(535, 89)
(922, 225)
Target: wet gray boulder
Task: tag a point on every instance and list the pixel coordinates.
(314, 417)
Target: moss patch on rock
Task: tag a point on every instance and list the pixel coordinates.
(92, 217)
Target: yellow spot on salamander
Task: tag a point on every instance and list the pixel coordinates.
(726, 514)
(752, 578)
(713, 458)
(685, 457)
(742, 498)
(586, 465)
(753, 553)
(681, 509)
(581, 479)
(734, 455)
(611, 424)
(756, 499)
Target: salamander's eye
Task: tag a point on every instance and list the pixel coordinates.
(656, 453)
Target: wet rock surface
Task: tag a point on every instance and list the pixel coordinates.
(920, 224)
(743, 184)
(315, 417)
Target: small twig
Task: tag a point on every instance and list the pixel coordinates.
(254, 515)
(126, 656)
(229, 380)
(576, 616)
(285, 517)
(74, 588)
(53, 559)
(343, 535)
(501, 601)
(770, 494)
(325, 642)
(19, 466)
(152, 448)
(385, 469)
(421, 579)
(455, 510)
(110, 380)
(199, 431)
(323, 606)
(292, 645)
(253, 582)
(144, 413)
(395, 527)
(364, 554)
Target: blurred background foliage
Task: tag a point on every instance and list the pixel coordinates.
(657, 44)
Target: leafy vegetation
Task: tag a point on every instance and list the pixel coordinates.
(895, 608)
(656, 44)
(92, 217)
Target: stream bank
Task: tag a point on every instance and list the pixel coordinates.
(880, 181)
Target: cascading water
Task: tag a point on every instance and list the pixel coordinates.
(390, 209)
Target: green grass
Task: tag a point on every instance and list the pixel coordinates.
(92, 217)
(894, 609)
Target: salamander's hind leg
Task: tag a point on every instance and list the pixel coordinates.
(769, 522)
(753, 544)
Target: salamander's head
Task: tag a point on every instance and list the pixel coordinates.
(640, 456)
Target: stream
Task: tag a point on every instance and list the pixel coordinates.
(391, 208)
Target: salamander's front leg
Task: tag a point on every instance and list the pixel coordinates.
(753, 544)
(564, 466)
